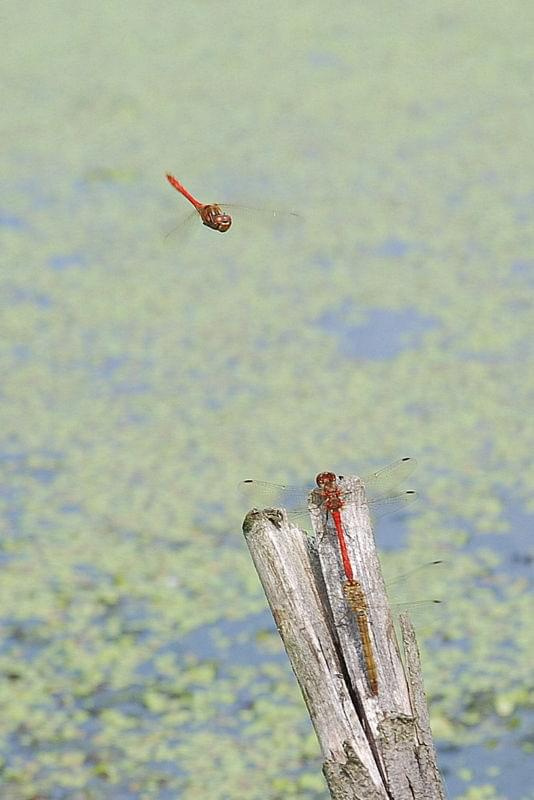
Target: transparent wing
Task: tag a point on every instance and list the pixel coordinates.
(382, 481)
(424, 613)
(259, 494)
(248, 216)
(422, 573)
(426, 610)
(266, 214)
(381, 506)
(184, 227)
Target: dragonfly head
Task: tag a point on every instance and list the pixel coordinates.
(214, 217)
(223, 222)
(325, 478)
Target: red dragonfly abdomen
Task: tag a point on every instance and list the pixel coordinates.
(347, 566)
(183, 191)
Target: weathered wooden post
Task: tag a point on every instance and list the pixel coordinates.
(374, 733)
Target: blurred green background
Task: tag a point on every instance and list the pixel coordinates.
(144, 376)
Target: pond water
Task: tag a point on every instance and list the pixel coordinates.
(144, 376)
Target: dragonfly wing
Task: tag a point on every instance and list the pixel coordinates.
(404, 585)
(427, 571)
(379, 483)
(416, 605)
(263, 217)
(426, 615)
(430, 576)
(184, 226)
(259, 494)
(381, 506)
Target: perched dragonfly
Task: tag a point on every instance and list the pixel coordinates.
(357, 603)
(218, 216)
(329, 494)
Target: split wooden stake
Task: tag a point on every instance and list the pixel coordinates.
(375, 739)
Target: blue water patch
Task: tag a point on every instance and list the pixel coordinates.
(11, 221)
(324, 261)
(119, 373)
(68, 261)
(14, 520)
(392, 531)
(21, 352)
(392, 248)
(71, 508)
(243, 648)
(503, 763)
(109, 366)
(384, 335)
(320, 58)
(455, 199)
(515, 546)
(524, 270)
(38, 299)
(19, 460)
(44, 475)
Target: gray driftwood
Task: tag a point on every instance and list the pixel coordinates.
(374, 746)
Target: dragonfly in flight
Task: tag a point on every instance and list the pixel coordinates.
(219, 216)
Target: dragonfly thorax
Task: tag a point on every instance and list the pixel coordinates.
(329, 492)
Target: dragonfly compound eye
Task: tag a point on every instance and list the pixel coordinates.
(223, 222)
(324, 478)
